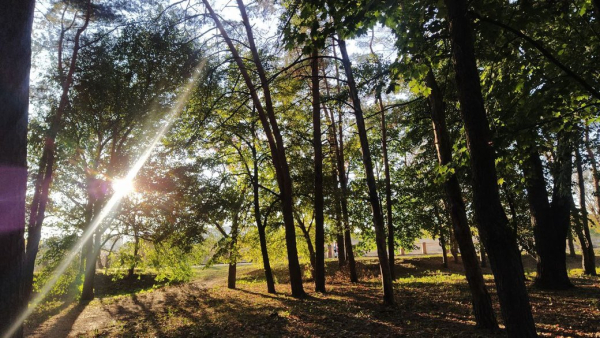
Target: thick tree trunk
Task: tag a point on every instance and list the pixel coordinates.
(274, 138)
(318, 146)
(550, 224)
(587, 248)
(15, 62)
(501, 246)
(388, 190)
(480, 298)
(380, 239)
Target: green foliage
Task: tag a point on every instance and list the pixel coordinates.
(53, 250)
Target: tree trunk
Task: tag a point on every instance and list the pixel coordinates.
(262, 236)
(571, 245)
(444, 251)
(592, 159)
(311, 249)
(87, 292)
(587, 248)
(480, 298)
(338, 144)
(380, 239)
(550, 223)
(388, 190)
(46, 165)
(275, 141)
(15, 62)
(136, 248)
(318, 146)
(501, 246)
(454, 247)
(482, 256)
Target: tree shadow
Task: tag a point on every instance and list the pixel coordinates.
(62, 326)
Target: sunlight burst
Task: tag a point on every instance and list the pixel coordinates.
(123, 186)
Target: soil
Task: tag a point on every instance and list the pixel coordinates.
(431, 302)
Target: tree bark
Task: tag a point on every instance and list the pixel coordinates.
(480, 298)
(262, 236)
(380, 239)
(550, 223)
(388, 190)
(16, 20)
(233, 254)
(269, 123)
(587, 248)
(318, 147)
(501, 246)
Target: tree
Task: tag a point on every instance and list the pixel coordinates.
(266, 114)
(16, 22)
(505, 258)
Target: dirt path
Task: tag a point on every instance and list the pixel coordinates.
(103, 314)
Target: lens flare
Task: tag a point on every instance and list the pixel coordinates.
(113, 202)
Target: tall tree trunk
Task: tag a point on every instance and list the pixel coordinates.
(269, 123)
(262, 236)
(444, 250)
(592, 159)
(587, 248)
(501, 246)
(480, 298)
(87, 291)
(338, 137)
(46, 165)
(388, 189)
(318, 146)
(16, 20)
(380, 239)
(550, 224)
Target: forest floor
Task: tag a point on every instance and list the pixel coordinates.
(431, 302)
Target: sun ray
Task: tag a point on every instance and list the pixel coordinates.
(113, 202)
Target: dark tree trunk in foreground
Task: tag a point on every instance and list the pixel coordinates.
(587, 248)
(269, 123)
(318, 146)
(15, 62)
(501, 246)
(380, 239)
(388, 190)
(550, 223)
(480, 298)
